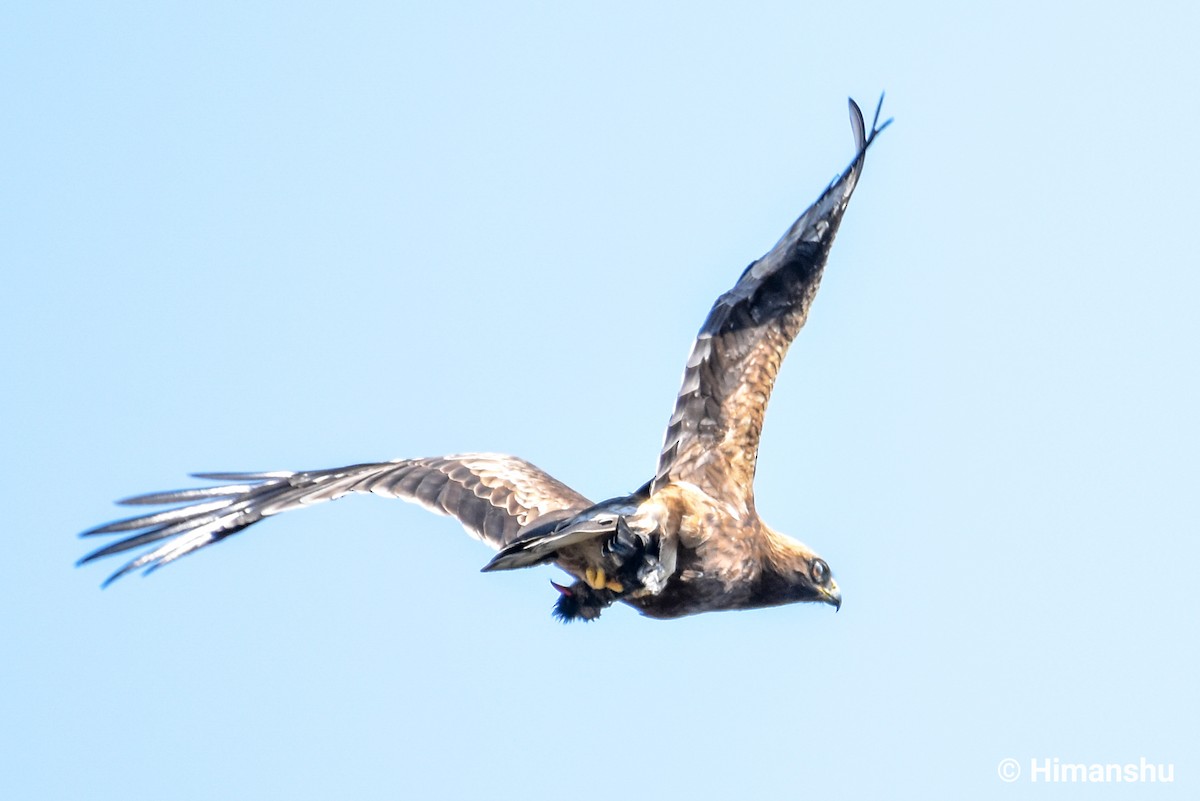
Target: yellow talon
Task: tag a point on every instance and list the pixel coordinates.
(598, 580)
(595, 578)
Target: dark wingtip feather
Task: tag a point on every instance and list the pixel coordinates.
(878, 108)
(107, 528)
(187, 495)
(862, 138)
(266, 476)
(153, 535)
(129, 568)
(189, 511)
(876, 128)
(99, 553)
(857, 125)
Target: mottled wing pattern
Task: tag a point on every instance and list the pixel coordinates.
(494, 496)
(713, 435)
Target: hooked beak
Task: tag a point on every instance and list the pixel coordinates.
(832, 596)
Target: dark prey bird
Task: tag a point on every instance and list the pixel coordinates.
(688, 541)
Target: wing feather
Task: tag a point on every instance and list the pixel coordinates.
(493, 496)
(712, 437)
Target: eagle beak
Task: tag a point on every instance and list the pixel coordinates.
(832, 596)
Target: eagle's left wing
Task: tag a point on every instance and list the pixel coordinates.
(713, 435)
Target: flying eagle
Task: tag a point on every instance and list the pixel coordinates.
(688, 541)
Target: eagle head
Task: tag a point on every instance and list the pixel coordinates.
(792, 573)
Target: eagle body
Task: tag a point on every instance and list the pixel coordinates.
(687, 541)
(722, 557)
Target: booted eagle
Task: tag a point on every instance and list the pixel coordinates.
(687, 541)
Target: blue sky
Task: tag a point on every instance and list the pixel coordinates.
(278, 236)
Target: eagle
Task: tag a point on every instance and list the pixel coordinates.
(687, 541)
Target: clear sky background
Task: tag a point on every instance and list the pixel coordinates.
(255, 236)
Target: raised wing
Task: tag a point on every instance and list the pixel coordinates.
(492, 495)
(713, 435)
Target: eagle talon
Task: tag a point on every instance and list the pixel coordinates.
(595, 578)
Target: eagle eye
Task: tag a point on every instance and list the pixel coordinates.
(819, 571)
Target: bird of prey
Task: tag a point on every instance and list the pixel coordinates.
(688, 541)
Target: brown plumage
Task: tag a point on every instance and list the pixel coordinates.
(688, 541)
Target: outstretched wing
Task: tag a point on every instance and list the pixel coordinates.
(712, 438)
(492, 495)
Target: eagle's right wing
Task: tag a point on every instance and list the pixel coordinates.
(494, 497)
